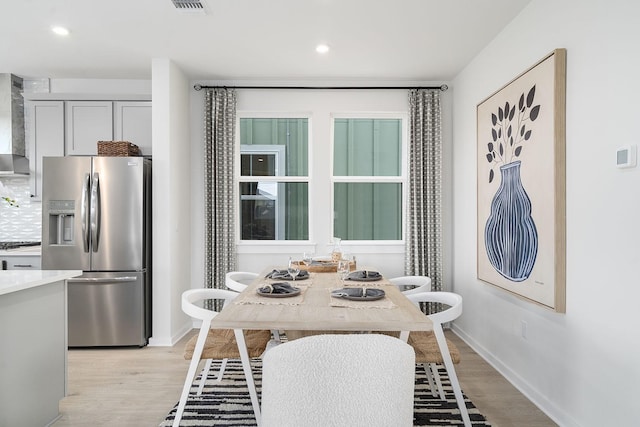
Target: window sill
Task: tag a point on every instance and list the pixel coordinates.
(292, 246)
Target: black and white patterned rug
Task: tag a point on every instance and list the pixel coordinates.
(227, 403)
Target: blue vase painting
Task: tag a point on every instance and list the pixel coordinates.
(510, 235)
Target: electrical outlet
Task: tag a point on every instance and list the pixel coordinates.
(523, 329)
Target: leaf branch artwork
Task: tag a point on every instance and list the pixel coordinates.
(509, 130)
(520, 161)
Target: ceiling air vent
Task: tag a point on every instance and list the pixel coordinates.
(190, 6)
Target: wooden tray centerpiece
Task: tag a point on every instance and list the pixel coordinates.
(322, 265)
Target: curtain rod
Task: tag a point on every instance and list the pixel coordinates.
(441, 87)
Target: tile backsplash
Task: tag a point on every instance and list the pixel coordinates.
(23, 223)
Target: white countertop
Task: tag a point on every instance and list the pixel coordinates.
(18, 280)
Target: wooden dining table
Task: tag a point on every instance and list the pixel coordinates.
(314, 310)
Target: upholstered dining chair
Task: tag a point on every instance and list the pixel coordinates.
(432, 348)
(339, 380)
(418, 283)
(238, 281)
(209, 344)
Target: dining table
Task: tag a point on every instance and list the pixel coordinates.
(313, 310)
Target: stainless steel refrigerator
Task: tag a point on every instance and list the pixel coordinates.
(96, 217)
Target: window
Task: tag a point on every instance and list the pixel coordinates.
(368, 178)
(274, 182)
(359, 192)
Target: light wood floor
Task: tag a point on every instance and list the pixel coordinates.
(138, 387)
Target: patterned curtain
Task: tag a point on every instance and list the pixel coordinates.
(219, 134)
(424, 223)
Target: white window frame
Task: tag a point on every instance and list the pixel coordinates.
(402, 178)
(276, 246)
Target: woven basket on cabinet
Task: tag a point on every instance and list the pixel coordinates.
(118, 149)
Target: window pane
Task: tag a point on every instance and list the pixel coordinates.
(291, 135)
(258, 164)
(367, 147)
(274, 210)
(368, 211)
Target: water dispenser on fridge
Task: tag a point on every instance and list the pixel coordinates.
(61, 222)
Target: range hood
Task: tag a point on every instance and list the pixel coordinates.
(12, 143)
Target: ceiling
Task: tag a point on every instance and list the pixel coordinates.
(373, 40)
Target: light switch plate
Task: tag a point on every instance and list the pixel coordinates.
(626, 156)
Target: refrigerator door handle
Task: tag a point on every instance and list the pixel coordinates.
(95, 212)
(84, 212)
(103, 279)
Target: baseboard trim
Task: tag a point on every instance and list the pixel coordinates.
(171, 341)
(556, 414)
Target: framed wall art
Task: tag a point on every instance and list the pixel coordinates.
(521, 184)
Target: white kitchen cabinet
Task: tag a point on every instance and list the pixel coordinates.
(87, 123)
(91, 121)
(73, 128)
(23, 262)
(132, 122)
(33, 315)
(45, 133)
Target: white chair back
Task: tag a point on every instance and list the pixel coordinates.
(238, 280)
(339, 380)
(190, 297)
(448, 298)
(420, 284)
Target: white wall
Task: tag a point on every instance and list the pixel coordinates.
(320, 104)
(581, 367)
(100, 86)
(171, 201)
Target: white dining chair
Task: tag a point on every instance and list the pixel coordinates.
(210, 344)
(238, 281)
(418, 283)
(433, 349)
(339, 380)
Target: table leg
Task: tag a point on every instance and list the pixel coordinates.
(248, 374)
(404, 335)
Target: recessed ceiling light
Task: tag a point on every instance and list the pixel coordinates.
(61, 31)
(322, 48)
